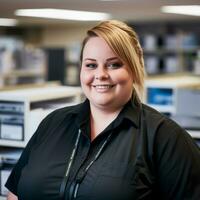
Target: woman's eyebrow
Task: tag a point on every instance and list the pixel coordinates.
(112, 58)
(108, 59)
(91, 59)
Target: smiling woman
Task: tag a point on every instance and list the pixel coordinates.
(112, 146)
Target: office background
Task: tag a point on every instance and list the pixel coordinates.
(38, 54)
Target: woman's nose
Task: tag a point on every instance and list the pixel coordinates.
(101, 74)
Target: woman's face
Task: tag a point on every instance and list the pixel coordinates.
(106, 81)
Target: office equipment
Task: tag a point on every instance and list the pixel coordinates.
(176, 96)
(8, 158)
(188, 107)
(4, 174)
(22, 110)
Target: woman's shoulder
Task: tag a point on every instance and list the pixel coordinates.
(159, 122)
(56, 117)
(54, 120)
(163, 133)
(63, 112)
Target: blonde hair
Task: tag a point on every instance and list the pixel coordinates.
(124, 42)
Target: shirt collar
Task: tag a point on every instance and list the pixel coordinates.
(83, 113)
(131, 111)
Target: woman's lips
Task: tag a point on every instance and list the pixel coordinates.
(103, 88)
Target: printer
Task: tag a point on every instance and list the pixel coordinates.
(22, 110)
(176, 96)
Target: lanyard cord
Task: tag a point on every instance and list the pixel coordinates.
(80, 177)
(65, 179)
(96, 156)
(73, 153)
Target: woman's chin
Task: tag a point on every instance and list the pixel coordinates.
(105, 104)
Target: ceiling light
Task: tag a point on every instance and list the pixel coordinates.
(7, 22)
(63, 14)
(183, 9)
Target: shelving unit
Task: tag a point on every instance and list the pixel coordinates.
(25, 73)
(16, 77)
(170, 47)
(72, 57)
(20, 63)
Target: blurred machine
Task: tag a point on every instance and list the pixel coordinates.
(176, 96)
(22, 110)
(8, 158)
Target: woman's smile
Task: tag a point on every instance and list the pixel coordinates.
(103, 87)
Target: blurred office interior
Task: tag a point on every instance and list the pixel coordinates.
(39, 51)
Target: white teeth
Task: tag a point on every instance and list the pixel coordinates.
(103, 86)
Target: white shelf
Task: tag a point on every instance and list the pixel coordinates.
(194, 133)
(25, 73)
(172, 81)
(12, 143)
(43, 93)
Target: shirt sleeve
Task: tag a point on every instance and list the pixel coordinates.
(13, 179)
(177, 163)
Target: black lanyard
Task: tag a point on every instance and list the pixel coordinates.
(66, 177)
(75, 185)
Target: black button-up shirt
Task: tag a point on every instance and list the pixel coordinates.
(148, 156)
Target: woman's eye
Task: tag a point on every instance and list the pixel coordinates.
(91, 65)
(115, 65)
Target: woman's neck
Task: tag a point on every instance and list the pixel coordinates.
(100, 119)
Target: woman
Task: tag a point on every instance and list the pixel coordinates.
(111, 146)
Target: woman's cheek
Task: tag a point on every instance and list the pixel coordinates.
(122, 77)
(86, 78)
